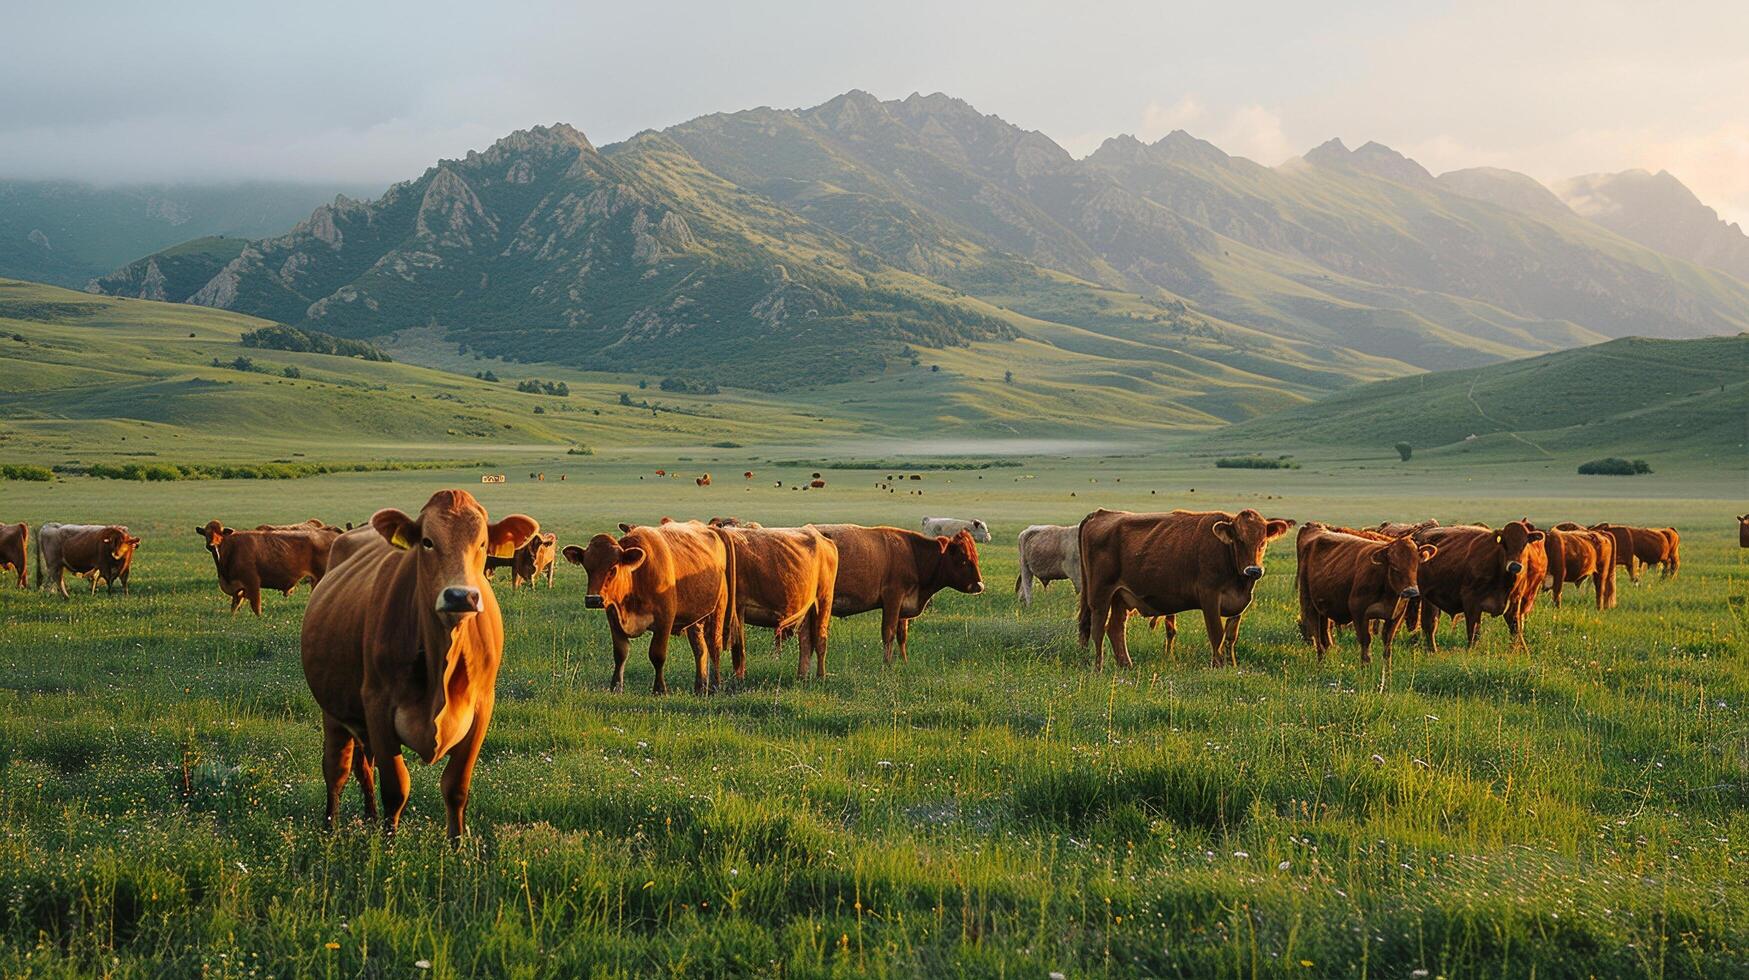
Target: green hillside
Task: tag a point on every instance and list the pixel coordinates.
(174, 274)
(1634, 397)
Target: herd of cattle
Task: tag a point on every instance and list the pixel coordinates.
(402, 637)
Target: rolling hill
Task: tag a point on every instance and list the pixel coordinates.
(1635, 396)
(777, 248)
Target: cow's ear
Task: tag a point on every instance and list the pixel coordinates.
(396, 527)
(1497, 538)
(1276, 528)
(1380, 556)
(667, 520)
(631, 558)
(625, 528)
(509, 534)
(227, 530)
(1428, 551)
(573, 554)
(1534, 536)
(1224, 531)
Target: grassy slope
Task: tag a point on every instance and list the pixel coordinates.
(1651, 398)
(992, 807)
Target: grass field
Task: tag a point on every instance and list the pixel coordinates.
(991, 808)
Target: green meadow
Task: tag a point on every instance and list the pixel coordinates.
(990, 808)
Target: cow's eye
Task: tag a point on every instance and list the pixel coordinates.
(427, 544)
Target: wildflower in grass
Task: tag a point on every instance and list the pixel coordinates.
(333, 945)
(421, 964)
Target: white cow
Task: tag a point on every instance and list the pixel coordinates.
(1048, 552)
(950, 526)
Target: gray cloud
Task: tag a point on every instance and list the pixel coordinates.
(376, 91)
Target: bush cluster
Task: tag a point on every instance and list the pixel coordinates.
(1614, 466)
(1256, 463)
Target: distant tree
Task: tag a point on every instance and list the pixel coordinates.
(1007, 377)
(1405, 450)
(539, 410)
(291, 371)
(243, 363)
(489, 376)
(643, 383)
(624, 398)
(934, 369)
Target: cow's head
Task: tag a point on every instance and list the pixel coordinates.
(450, 540)
(215, 534)
(958, 568)
(535, 555)
(1402, 560)
(610, 565)
(1515, 540)
(980, 531)
(1247, 534)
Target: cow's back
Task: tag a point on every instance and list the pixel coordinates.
(871, 562)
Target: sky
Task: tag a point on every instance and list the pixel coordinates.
(371, 92)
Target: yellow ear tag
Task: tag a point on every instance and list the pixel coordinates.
(400, 540)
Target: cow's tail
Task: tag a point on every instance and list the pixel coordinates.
(1023, 580)
(39, 560)
(1084, 602)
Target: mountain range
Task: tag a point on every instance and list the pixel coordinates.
(781, 248)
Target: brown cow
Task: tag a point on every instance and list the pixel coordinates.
(1346, 578)
(784, 582)
(1530, 582)
(15, 550)
(1672, 562)
(1577, 554)
(1743, 531)
(91, 551)
(401, 646)
(703, 481)
(1476, 572)
(1637, 547)
(276, 558)
(666, 580)
(730, 522)
(1163, 564)
(898, 572)
(538, 554)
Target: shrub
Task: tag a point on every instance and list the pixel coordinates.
(1405, 450)
(311, 342)
(25, 471)
(1614, 466)
(291, 371)
(1256, 463)
(580, 451)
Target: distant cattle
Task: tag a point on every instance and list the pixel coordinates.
(703, 481)
(668, 580)
(1163, 564)
(1476, 573)
(1049, 553)
(784, 582)
(536, 557)
(898, 572)
(817, 484)
(1576, 554)
(401, 645)
(747, 475)
(268, 557)
(94, 551)
(1637, 547)
(15, 550)
(731, 522)
(1743, 531)
(950, 526)
(1355, 579)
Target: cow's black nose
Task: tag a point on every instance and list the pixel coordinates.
(1515, 567)
(1411, 592)
(594, 602)
(459, 599)
(1253, 571)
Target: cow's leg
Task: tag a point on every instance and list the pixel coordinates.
(889, 630)
(737, 652)
(1598, 586)
(819, 625)
(1429, 624)
(659, 634)
(1316, 628)
(1363, 632)
(1230, 639)
(1170, 621)
(904, 639)
(255, 599)
(1472, 624)
(337, 754)
(1388, 633)
(385, 750)
(621, 649)
(1217, 631)
(236, 601)
(704, 678)
(458, 775)
(1098, 615)
(805, 643)
(1558, 579)
(1117, 631)
(126, 588)
(367, 777)
(60, 582)
(1023, 584)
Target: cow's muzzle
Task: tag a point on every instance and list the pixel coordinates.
(1411, 593)
(977, 588)
(594, 601)
(459, 599)
(1515, 567)
(1253, 571)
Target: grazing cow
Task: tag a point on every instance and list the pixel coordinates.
(784, 582)
(15, 550)
(1743, 531)
(1672, 562)
(401, 645)
(1049, 553)
(1637, 547)
(1163, 564)
(898, 572)
(1349, 578)
(747, 475)
(272, 558)
(94, 551)
(816, 484)
(703, 481)
(538, 554)
(950, 526)
(666, 580)
(1475, 573)
(1576, 554)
